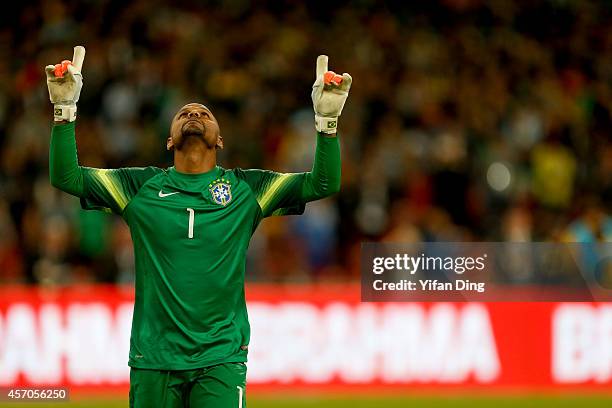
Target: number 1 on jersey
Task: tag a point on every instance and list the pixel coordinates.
(191, 220)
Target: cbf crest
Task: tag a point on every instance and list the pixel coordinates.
(221, 191)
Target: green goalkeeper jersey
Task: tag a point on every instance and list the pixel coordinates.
(190, 234)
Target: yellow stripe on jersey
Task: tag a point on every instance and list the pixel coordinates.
(270, 192)
(111, 187)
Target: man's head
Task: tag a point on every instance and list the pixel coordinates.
(196, 122)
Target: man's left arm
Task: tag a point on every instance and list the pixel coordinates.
(287, 193)
(329, 94)
(324, 178)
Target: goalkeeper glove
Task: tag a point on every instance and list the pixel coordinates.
(329, 93)
(65, 82)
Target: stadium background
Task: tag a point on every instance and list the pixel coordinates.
(467, 120)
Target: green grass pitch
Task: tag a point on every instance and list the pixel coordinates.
(560, 401)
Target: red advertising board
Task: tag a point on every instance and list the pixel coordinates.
(323, 337)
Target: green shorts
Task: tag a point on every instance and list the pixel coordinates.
(218, 386)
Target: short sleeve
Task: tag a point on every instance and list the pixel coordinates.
(276, 193)
(112, 189)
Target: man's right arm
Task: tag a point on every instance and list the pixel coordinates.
(64, 82)
(99, 189)
(64, 170)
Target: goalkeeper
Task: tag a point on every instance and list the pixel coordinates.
(190, 226)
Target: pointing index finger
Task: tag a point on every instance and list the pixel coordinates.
(78, 57)
(321, 65)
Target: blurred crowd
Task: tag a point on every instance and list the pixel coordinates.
(468, 120)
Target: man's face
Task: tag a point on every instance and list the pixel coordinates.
(194, 120)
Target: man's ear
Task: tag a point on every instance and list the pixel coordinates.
(219, 142)
(169, 144)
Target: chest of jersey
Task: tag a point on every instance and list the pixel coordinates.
(211, 219)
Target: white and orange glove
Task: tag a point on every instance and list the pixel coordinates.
(65, 82)
(329, 94)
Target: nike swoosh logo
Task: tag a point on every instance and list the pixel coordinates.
(162, 194)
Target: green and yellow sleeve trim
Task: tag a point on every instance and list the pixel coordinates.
(114, 188)
(268, 195)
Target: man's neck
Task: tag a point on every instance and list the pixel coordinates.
(195, 158)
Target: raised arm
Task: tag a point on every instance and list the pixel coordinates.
(103, 189)
(324, 178)
(287, 193)
(329, 93)
(64, 82)
(64, 170)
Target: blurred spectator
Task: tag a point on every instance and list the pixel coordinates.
(10, 253)
(593, 224)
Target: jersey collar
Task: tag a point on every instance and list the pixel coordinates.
(194, 182)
